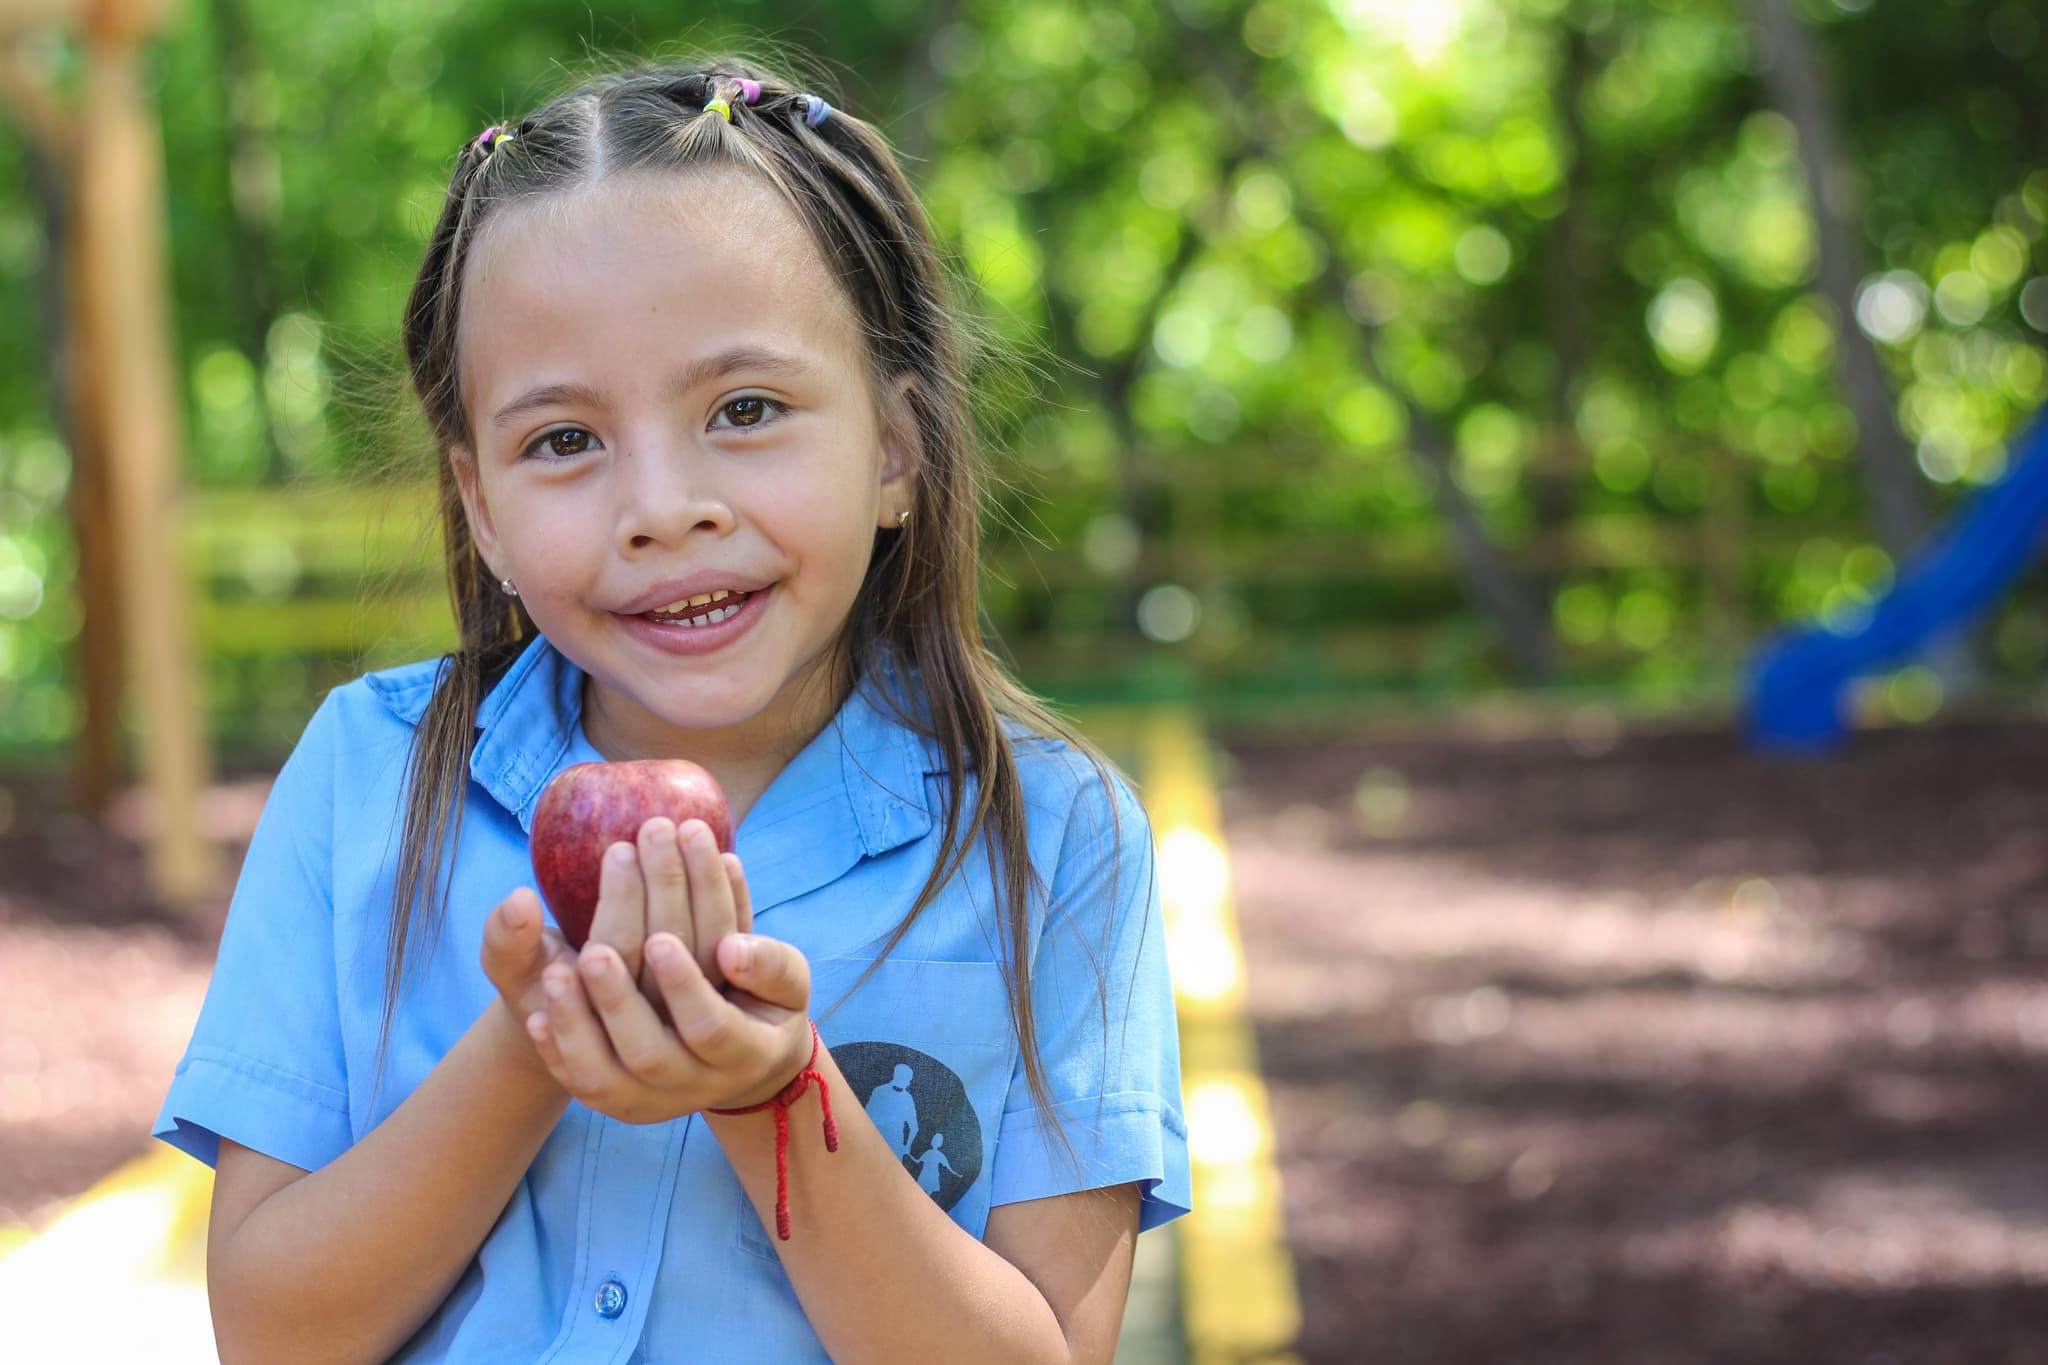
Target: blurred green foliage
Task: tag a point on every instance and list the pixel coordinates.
(1275, 250)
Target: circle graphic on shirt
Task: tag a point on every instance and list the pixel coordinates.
(922, 1109)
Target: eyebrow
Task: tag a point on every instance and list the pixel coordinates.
(547, 396)
(758, 358)
(742, 358)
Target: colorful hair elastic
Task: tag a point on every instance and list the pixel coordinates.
(816, 111)
(491, 137)
(721, 106)
(750, 91)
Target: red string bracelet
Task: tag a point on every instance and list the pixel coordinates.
(780, 1102)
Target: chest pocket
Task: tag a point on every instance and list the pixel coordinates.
(926, 1050)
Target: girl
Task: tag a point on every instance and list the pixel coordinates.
(707, 492)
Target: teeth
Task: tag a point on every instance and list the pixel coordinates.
(709, 618)
(700, 618)
(702, 599)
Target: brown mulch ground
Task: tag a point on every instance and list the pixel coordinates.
(1594, 1048)
(1638, 1048)
(98, 986)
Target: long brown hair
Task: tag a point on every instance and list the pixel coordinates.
(918, 602)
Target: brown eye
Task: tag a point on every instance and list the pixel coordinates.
(569, 441)
(750, 412)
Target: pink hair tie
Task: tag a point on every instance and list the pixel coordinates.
(750, 91)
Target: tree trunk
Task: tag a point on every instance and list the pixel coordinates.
(1799, 88)
(96, 656)
(123, 316)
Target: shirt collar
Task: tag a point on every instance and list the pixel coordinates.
(529, 727)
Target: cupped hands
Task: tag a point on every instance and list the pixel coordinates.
(674, 1005)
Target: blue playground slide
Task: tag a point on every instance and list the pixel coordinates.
(1798, 684)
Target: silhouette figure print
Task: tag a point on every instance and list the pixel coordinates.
(894, 1111)
(929, 1164)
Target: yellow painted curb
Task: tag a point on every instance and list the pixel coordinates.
(1238, 1293)
(147, 1219)
(121, 1273)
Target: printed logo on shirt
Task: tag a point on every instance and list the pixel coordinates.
(922, 1109)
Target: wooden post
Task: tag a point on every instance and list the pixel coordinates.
(96, 765)
(125, 328)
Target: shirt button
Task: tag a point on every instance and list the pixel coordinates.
(611, 1299)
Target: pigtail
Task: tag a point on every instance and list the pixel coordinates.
(491, 627)
(493, 630)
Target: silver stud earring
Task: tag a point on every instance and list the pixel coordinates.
(902, 518)
(505, 586)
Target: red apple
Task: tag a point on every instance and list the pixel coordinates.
(588, 807)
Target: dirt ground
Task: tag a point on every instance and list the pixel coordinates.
(1600, 1047)
(98, 987)
(1640, 1049)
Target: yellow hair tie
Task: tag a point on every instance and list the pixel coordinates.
(721, 106)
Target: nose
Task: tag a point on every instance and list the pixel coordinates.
(669, 491)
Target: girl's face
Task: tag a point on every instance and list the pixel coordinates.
(669, 401)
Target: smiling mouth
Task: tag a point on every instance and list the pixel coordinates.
(706, 609)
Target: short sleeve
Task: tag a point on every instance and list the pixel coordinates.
(265, 1066)
(1103, 1011)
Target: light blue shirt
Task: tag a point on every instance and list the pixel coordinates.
(631, 1243)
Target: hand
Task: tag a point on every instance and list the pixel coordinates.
(604, 1043)
(519, 947)
(519, 942)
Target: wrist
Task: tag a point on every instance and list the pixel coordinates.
(778, 1104)
(506, 1031)
(806, 1048)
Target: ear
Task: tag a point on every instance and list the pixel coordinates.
(474, 505)
(902, 451)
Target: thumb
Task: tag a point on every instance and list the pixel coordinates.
(512, 948)
(767, 969)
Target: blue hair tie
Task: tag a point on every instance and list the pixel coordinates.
(816, 111)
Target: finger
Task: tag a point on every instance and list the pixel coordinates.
(742, 899)
(642, 1045)
(772, 971)
(715, 1032)
(668, 883)
(621, 918)
(543, 1036)
(711, 899)
(513, 951)
(588, 1066)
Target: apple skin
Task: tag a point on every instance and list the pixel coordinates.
(588, 807)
